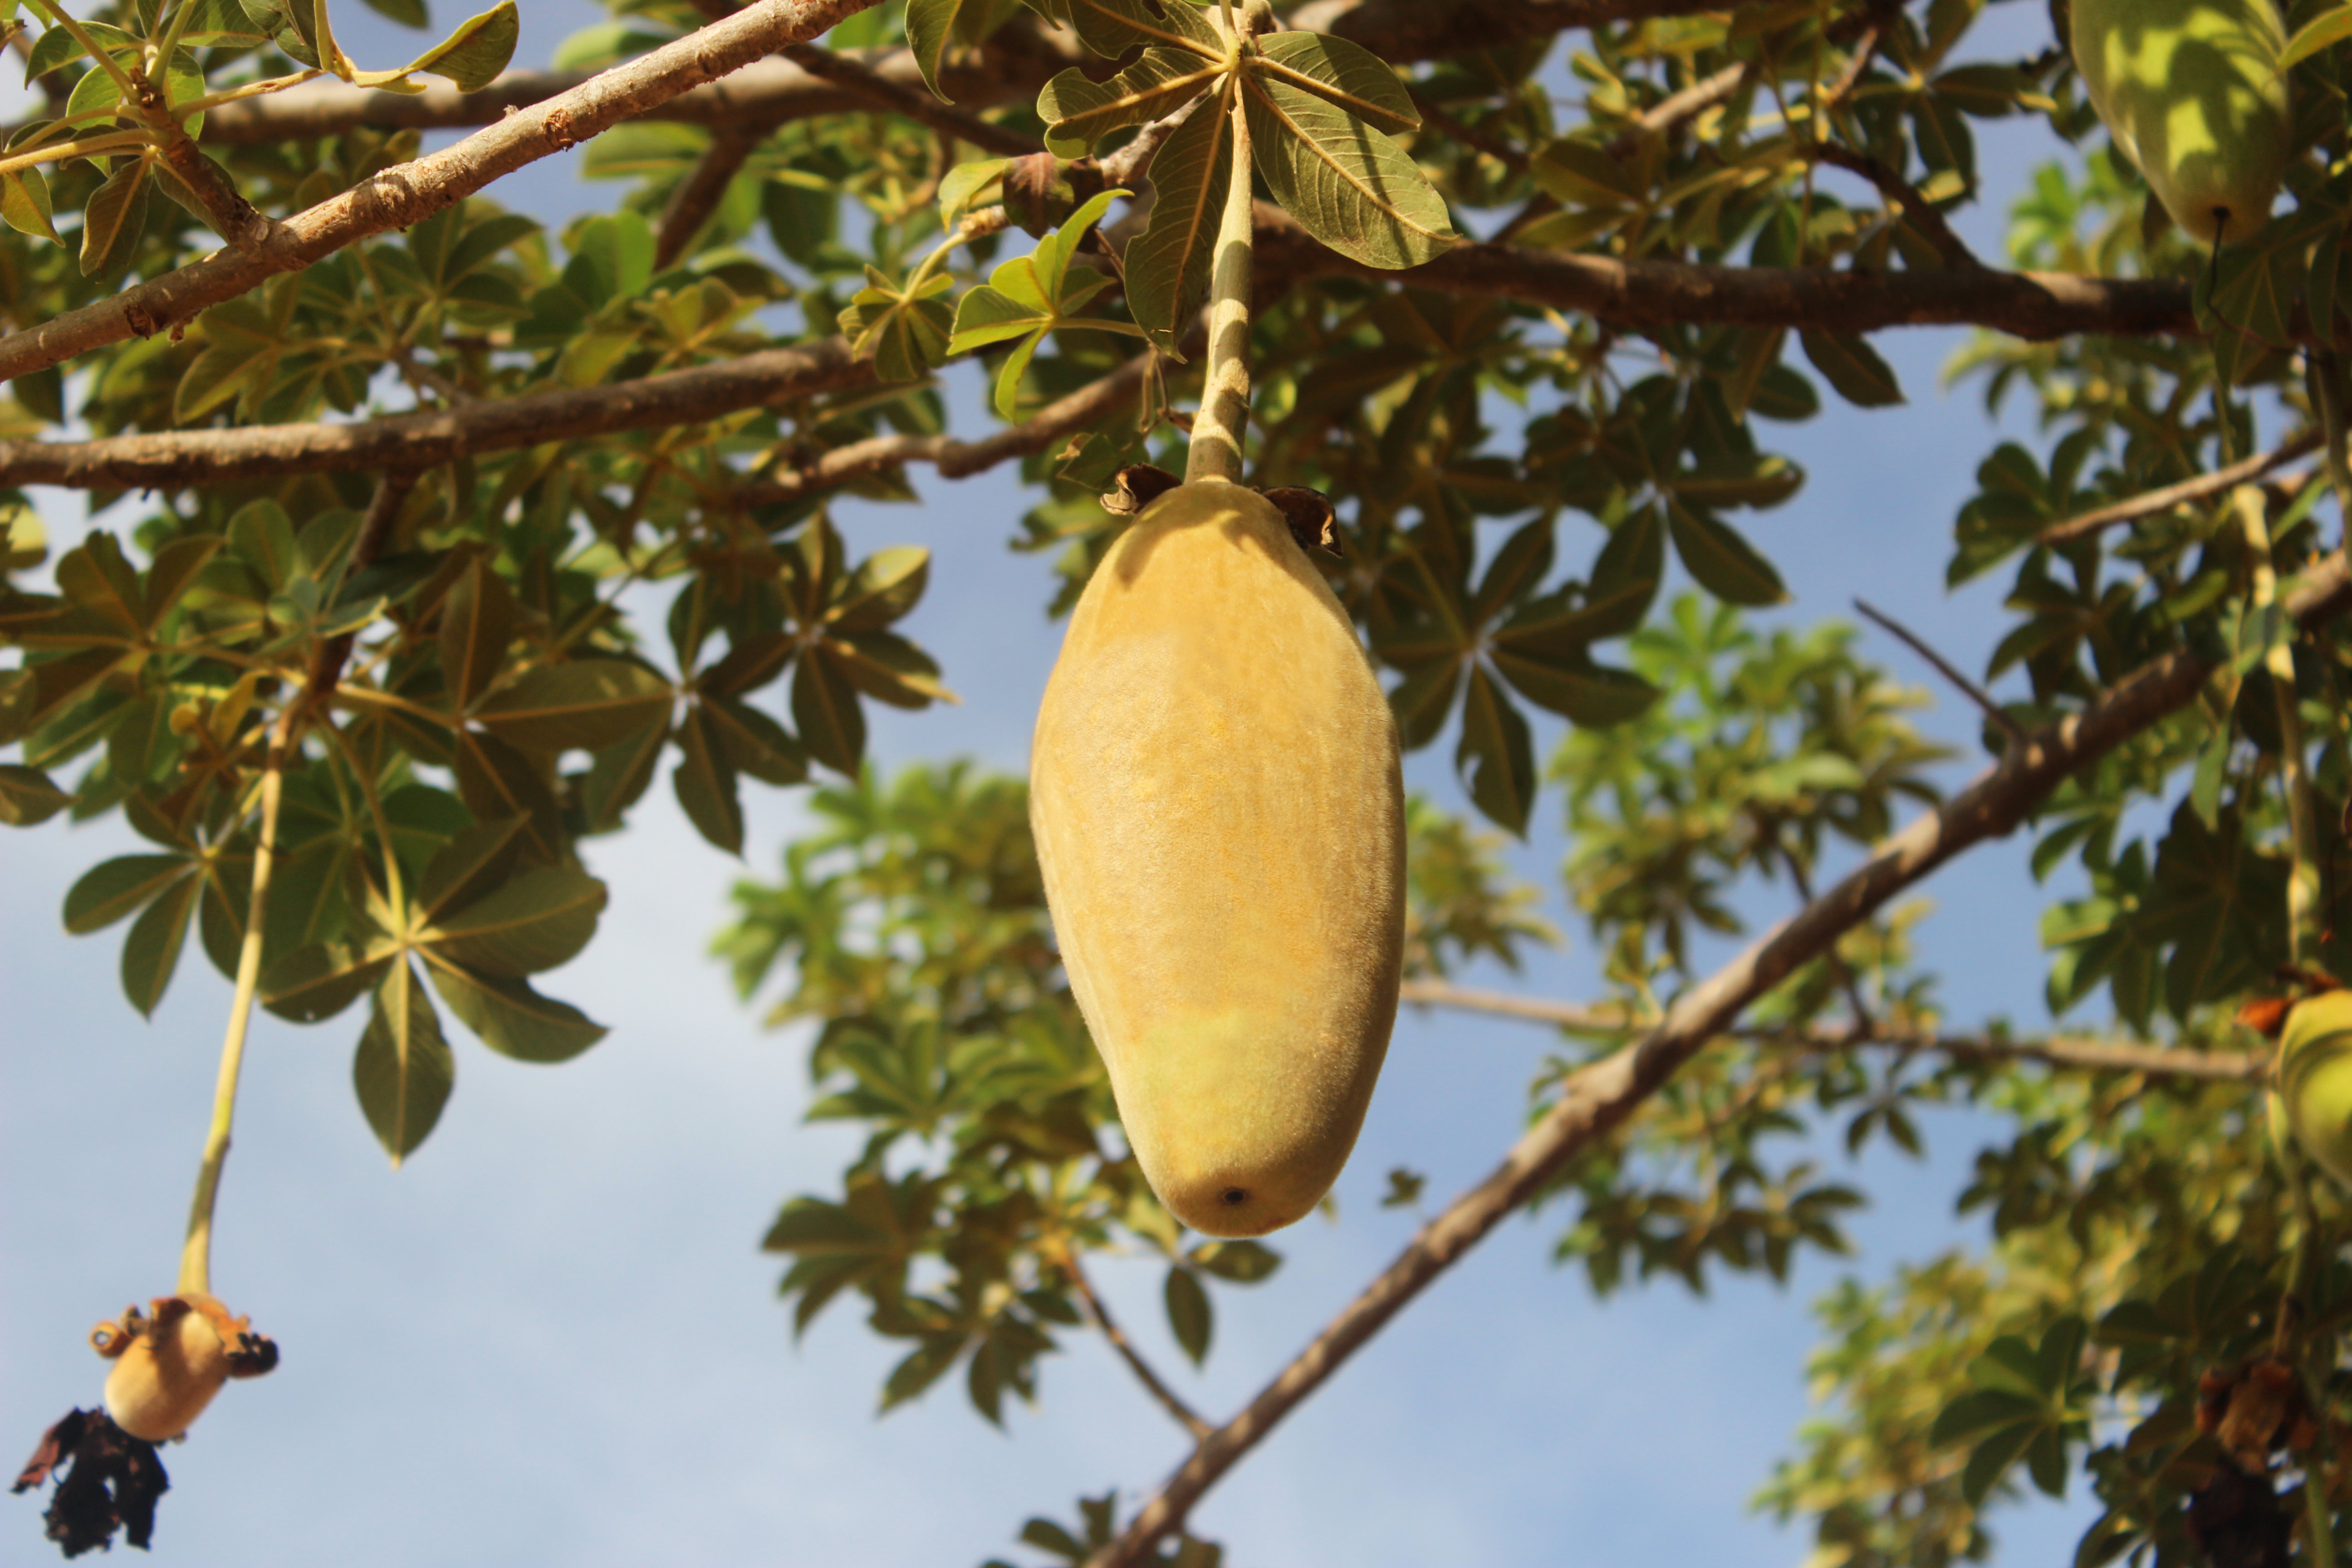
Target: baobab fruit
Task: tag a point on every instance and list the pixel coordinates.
(168, 1366)
(1220, 819)
(2315, 1078)
(2191, 91)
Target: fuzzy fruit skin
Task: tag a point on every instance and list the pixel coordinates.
(1220, 818)
(2191, 91)
(164, 1379)
(2316, 1079)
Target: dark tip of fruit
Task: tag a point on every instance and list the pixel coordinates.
(1234, 1197)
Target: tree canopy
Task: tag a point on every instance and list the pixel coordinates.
(443, 537)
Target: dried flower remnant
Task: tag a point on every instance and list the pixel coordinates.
(107, 1480)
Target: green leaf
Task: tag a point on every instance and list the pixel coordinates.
(705, 781)
(511, 1018)
(754, 742)
(1345, 74)
(2328, 28)
(477, 624)
(407, 13)
(1573, 686)
(885, 586)
(1168, 264)
(1242, 1262)
(1347, 184)
(931, 25)
(27, 797)
(1853, 367)
(583, 704)
(25, 203)
(538, 920)
(1079, 113)
(476, 859)
(1752, 479)
(471, 57)
(1579, 175)
(826, 711)
(1111, 27)
(115, 217)
(113, 889)
(495, 781)
(1726, 565)
(620, 776)
(320, 980)
(402, 1070)
(152, 951)
(1496, 754)
(905, 332)
(1190, 1316)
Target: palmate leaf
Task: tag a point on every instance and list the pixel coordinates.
(1111, 27)
(536, 921)
(1495, 753)
(931, 23)
(1347, 184)
(1190, 1317)
(906, 331)
(1344, 74)
(115, 216)
(705, 781)
(1032, 296)
(1726, 565)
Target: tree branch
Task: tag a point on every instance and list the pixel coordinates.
(1893, 187)
(1602, 1097)
(954, 459)
(178, 458)
(2000, 717)
(2033, 305)
(698, 194)
(412, 192)
(1402, 31)
(2201, 488)
(1168, 1398)
(2064, 1051)
(912, 100)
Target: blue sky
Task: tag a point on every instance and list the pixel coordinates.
(549, 1339)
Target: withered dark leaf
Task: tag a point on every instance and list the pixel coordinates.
(2239, 1520)
(111, 1481)
(1135, 487)
(1313, 523)
(1038, 196)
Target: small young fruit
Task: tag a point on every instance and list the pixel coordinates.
(2315, 1078)
(1219, 817)
(167, 1367)
(2191, 91)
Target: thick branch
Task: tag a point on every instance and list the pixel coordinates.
(415, 190)
(171, 460)
(1599, 1097)
(2065, 1051)
(2036, 305)
(2203, 487)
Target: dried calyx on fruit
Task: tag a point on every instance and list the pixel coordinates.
(171, 1360)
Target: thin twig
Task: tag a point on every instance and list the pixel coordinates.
(698, 194)
(2064, 1051)
(1976, 694)
(915, 103)
(1169, 1399)
(1598, 1098)
(1920, 213)
(2203, 487)
(1435, 119)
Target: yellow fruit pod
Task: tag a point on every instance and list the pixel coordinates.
(2191, 91)
(2315, 1080)
(1219, 814)
(168, 1366)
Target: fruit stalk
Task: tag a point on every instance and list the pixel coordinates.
(196, 1255)
(2324, 373)
(2303, 826)
(1224, 420)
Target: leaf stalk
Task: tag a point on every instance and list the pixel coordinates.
(1223, 421)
